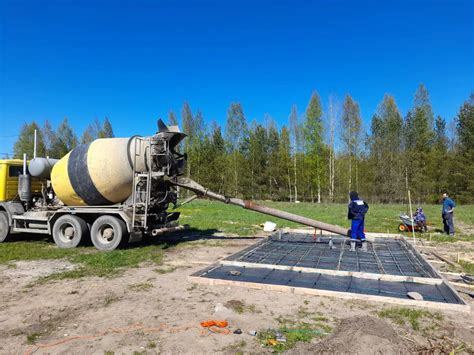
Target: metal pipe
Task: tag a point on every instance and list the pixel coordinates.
(24, 163)
(159, 231)
(34, 147)
(250, 205)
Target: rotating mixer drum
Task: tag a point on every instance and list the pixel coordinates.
(99, 173)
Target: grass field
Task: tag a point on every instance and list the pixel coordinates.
(210, 215)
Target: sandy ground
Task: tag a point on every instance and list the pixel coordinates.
(157, 310)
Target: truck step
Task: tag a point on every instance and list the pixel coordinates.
(30, 230)
(30, 217)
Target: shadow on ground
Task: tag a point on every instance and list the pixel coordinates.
(171, 239)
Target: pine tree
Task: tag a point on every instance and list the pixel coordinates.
(106, 130)
(463, 180)
(419, 137)
(258, 160)
(50, 138)
(197, 143)
(422, 102)
(438, 160)
(217, 160)
(273, 146)
(88, 135)
(385, 151)
(25, 142)
(285, 163)
(187, 120)
(65, 141)
(172, 120)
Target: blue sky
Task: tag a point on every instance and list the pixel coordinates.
(133, 61)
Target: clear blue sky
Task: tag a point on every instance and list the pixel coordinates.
(133, 61)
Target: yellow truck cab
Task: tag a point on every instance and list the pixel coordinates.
(10, 169)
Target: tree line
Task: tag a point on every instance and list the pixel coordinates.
(320, 154)
(56, 143)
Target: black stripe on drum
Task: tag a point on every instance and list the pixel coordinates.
(80, 178)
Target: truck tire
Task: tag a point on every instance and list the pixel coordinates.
(108, 232)
(69, 230)
(4, 226)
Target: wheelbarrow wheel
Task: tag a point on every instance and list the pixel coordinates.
(402, 227)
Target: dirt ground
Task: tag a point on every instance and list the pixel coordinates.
(155, 309)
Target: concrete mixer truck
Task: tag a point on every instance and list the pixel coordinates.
(111, 191)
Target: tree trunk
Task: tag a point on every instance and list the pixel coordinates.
(188, 164)
(333, 175)
(296, 188)
(350, 173)
(235, 175)
(356, 175)
(319, 189)
(289, 181)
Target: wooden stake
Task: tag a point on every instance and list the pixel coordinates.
(411, 217)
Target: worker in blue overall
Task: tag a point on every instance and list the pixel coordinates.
(357, 210)
(447, 214)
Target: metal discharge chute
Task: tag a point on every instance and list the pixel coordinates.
(250, 205)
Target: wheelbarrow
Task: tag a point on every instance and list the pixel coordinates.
(408, 224)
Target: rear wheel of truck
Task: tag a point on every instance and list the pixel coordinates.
(4, 226)
(108, 232)
(68, 231)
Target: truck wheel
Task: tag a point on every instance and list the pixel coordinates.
(108, 232)
(4, 226)
(68, 231)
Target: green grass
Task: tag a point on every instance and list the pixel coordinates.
(297, 332)
(31, 250)
(90, 261)
(301, 326)
(413, 317)
(467, 267)
(240, 307)
(206, 217)
(31, 338)
(211, 215)
(94, 263)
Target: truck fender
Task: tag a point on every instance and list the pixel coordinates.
(12, 208)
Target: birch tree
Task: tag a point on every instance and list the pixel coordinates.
(295, 143)
(351, 135)
(236, 129)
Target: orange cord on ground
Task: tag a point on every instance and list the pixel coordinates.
(212, 326)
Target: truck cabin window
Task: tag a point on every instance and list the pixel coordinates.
(15, 171)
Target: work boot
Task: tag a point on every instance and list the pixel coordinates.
(353, 245)
(364, 246)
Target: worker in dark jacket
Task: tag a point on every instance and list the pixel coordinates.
(357, 210)
(447, 214)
